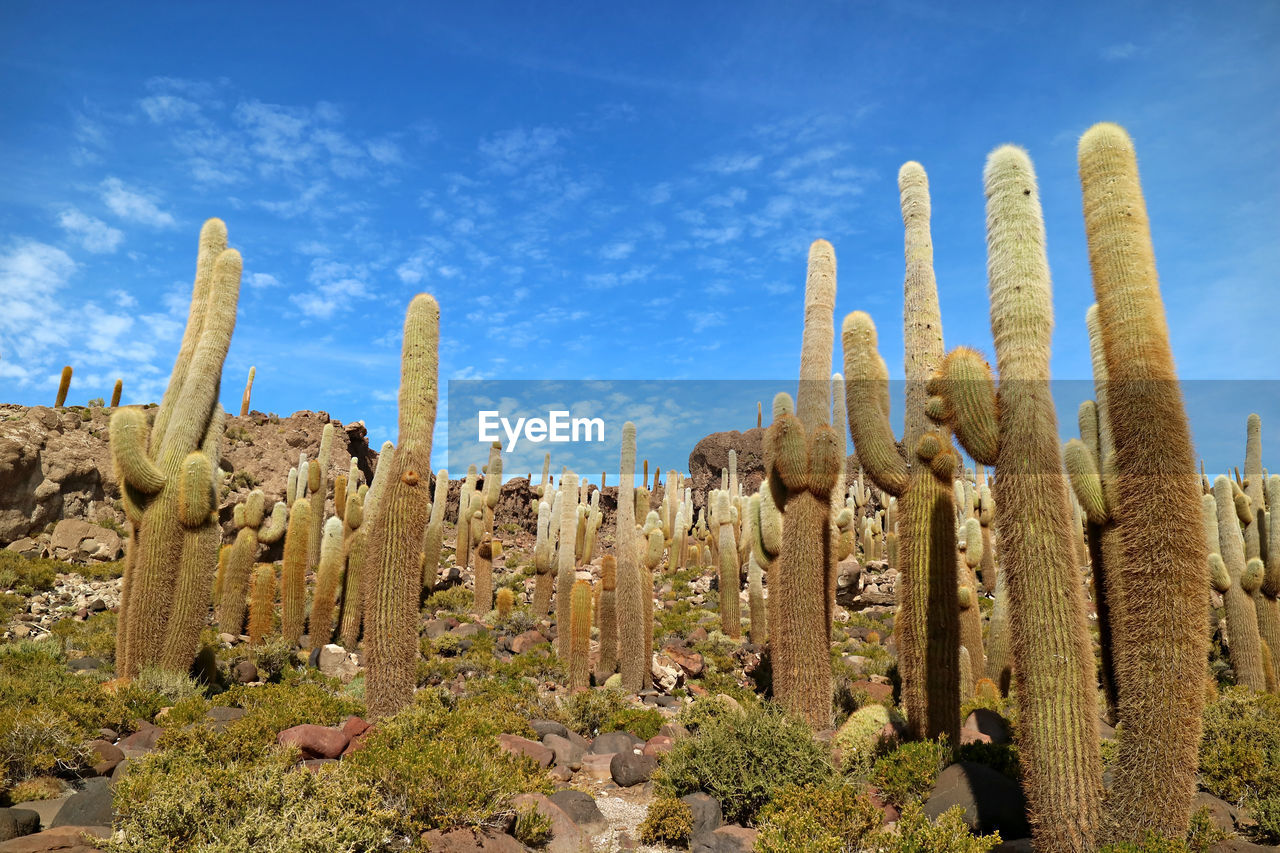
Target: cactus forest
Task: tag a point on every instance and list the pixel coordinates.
(894, 602)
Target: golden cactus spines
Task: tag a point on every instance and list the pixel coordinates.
(579, 631)
(565, 565)
(1242, 617)
(433, 539)
(248, 392)
(64, 385)
(293, 572)
(482, 600)
(632, 661)
(730, 615)
(328, 576)
(262, 603)
(115, 393)
(1155, 508)
(396, 524)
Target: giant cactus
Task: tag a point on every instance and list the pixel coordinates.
(433, 539)
(565, 567)
(240, 559)
(1268, 601)
(730, 572)
(115, 393)
(172, 552)
(802, 463)
(399, 518)
(1163, 667)
(1017, 432)
(328, 576)
(293, 572)
(579, 633)
(319, 488)
(607, 616)
(1237, 595)
(632, 663)
(352, 614)
(248, 392)
(64, 385)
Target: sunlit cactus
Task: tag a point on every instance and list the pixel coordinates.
(248, 392)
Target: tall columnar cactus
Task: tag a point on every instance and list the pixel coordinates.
(766, 543)
(730, 616)
(397, 523)
(172, 551)
(352, 614)
(607, 616)
(970, 612)
(1254, 485)
(328, 576)
(318, 473)
(248, 391)
(115, 393)
(433, 539)
(1017, 432)
(543, 550)
(565, 564)
(927, 626)
(240, 558)
(64, 385)
(999, 659)
(922, 318)
(293, 572)
(1162, 672)
(802, 462)
(466, 495)
(492, 486)
(482, 599)
(1237, 596)
(1268, 602)
(262, 602)
(579, 633)
(632, 663)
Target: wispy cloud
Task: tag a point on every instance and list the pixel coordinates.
(92, 233)
(134, 205)
(1119, 52)
(732, 164)
(510, 151)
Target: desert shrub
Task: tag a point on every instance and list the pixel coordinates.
(510, 704)
(272, 708)
(437, 768)
(95, 636)
(176, 799)
(816, 819)
(1001, 757)
(588, 711)
(702, 711)
(1204, 833)
(668, 821)
(948, 834)
(1266, 811)
(908, 773)
(154, 689)
(273, 657)
(742, 758)
(859, 738)
(1240, 750)
(532, 828)
(28, 573)
(110, 569)
(455, 600)
(37, 788)
(641, 722)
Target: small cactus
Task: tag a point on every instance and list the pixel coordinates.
(503, 603)
(248, 392)
(115, 393)
(64, 385)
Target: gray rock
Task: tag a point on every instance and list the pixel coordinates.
(580, 807)
(991, 800)
(990, 724)
(548, 727)
(88, 807)
(245, 672)
(726, 839)
(87, 663)
(707, 815)
(568, 754)
(615, 742)
(628, 768)
(15, 823)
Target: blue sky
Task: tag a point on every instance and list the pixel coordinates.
(605, 192)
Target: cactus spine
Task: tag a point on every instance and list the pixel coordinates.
(1054, 668)
(482, 600)
(328, 576)
(318, 473)
(543, 549)
(248, 390)
(352, 616)
(730, 616)
(64, 385)
(970, 613)
(1268, 602)
(802, 461)
(159, 569)
(262, 602)
(565, 565)
(115, 393)
(579, 632)
(633, 665)
(240, 558)
(396, 524)
(1162, 672)
(293, 572)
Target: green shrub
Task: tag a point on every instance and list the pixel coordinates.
(1001, 757)
(859, 738)
(1204, 832)
(273, 657)
(742, 758)
(109, 570)
(1240, 750)
(587, 712)
(176, 799)
(35, 573)
(38, 788)
(511, 703)
(272, 708)
(154, 689)
(816, 819)
(455, 600)
(438, 769)
(532, 828)
(949, 834)
(908, 773)
(668, 821)
(641, 722)
(95, 636)
(1266, 811)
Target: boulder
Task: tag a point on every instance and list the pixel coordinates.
(526, 641)
(581, 808)
(690, 662)
(15, 823)
(315, 741)
(106, 756)
(88, 807)
(1221, 813)
(77, 541)
(548, 727)
(659, 745)
(517, 745)
(245, 672)
(470, 841)
(991, 801)
(726, 839)
(567, 753)
(628, 768)
(597, 767)
(615, 742)
(707, 815)
(63, 839)
(566, 836)
(988, 723)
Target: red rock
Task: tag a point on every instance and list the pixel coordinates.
(877, 692)
(658, 745)
(470, 841)
(689, 661)
(354, 726)
(566, 836)
(526, 641)
(357, 743)
(890, 813)
(63, 839)
(968, 735)
(315, 741)
(517, 745)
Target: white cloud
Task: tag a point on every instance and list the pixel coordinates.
(1119, 52)
(732, 164)
(262, 279)
(31, 325)
(617, 251)
(166, 108)
(706, 320)
(133, 205)
(93, 234)
(513, 150)
(335, 285)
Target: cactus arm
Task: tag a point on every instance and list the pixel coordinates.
(274, 528)
(128, 434)
(866, 382)
(922, 334)
(964, 398)
(1085, 481)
